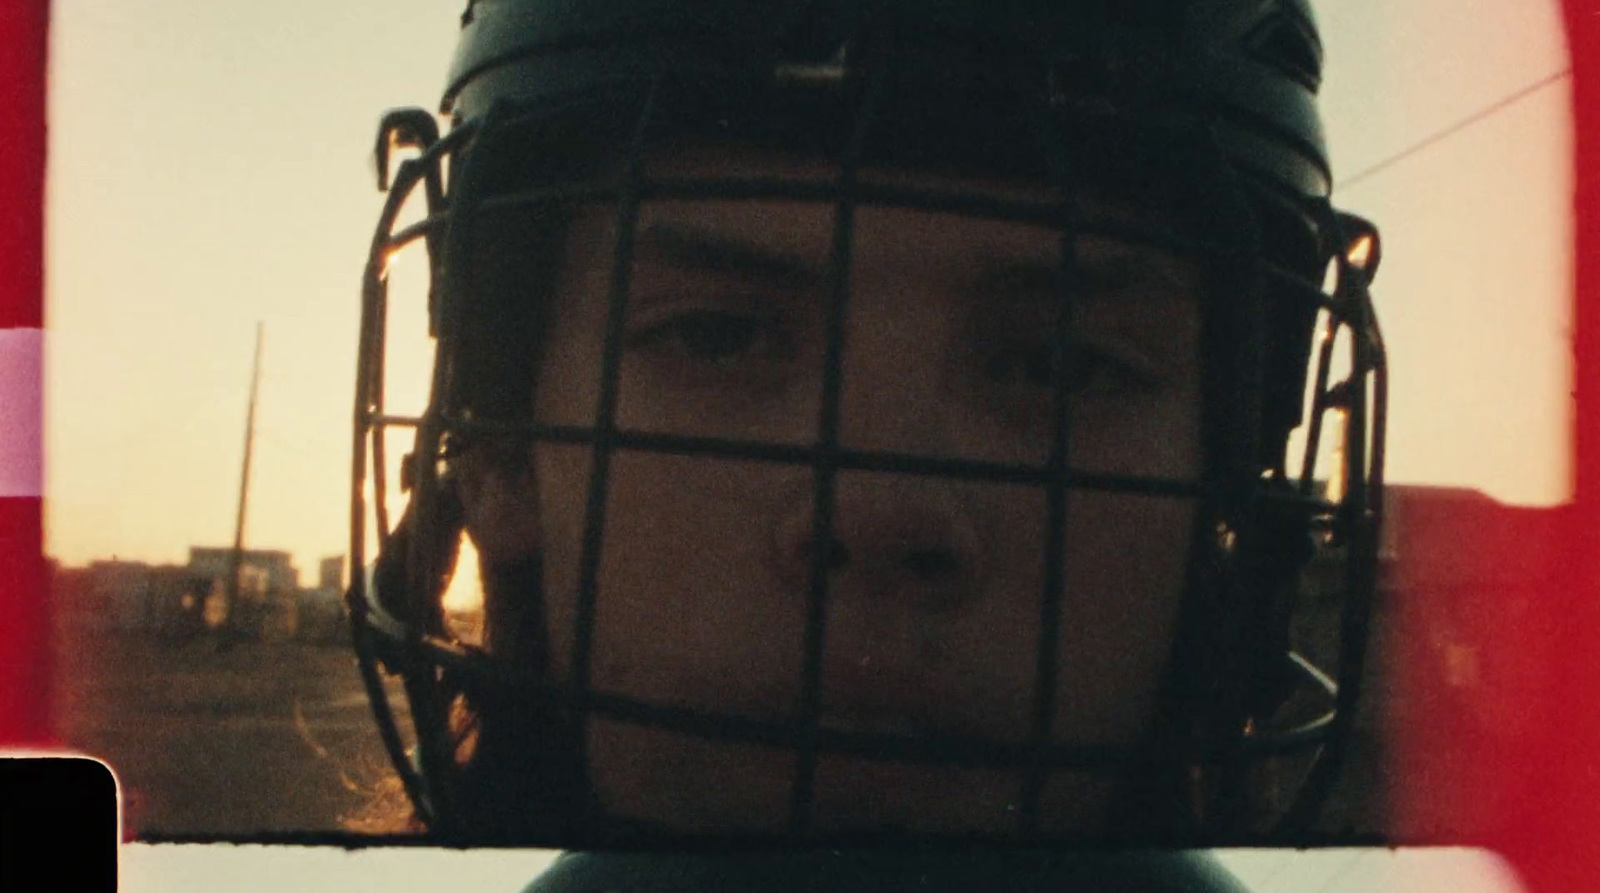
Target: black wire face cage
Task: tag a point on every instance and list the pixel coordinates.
(1237, 696)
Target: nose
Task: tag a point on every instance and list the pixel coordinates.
(894, 538)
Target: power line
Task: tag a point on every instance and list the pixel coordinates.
(1464, 123)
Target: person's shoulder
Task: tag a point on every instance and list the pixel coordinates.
(847, 871)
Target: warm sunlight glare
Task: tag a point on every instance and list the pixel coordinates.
(464, 592)
(1333, 470)
(1360, 252)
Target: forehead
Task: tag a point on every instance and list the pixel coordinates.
(952, 261)
(992, 259)
(688, 225)
(894, 221)
(1098, 200)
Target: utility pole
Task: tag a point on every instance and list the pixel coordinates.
(230, 624)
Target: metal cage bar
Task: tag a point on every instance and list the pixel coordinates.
(606, 423)
(369, 377)
(825, 467)
(1053, 573)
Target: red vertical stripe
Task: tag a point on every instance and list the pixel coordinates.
(1557, 849)
(22, 37)
(24, 641)
(24, 638)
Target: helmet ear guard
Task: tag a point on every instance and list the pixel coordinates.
(1254, 700)
(393, 611)
(1320, 553)
(528, 755)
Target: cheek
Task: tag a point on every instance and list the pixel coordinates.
(1124, 564)
(1153, 435)
(688, 614)
(1125, 569)
(563, 473)
(688, 609)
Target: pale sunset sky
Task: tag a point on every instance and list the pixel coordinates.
(209, 167)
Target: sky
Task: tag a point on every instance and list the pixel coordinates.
(209, 168)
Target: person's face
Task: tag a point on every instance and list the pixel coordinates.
(934, 596)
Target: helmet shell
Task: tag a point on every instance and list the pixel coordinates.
(1251, 68)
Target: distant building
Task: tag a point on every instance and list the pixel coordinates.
(182, 601)
(330, 573)
(275, 564)
(269, 591)
(322, 614)
(118, 592)
(165, 600)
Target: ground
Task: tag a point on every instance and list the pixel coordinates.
(277, 737)
(260, 737)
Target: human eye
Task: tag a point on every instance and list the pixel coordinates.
(703, 335)
(700, 340)
(1088, 368)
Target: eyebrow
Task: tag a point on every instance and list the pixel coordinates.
(1097, 273)
(708, 250)
(697, 248)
